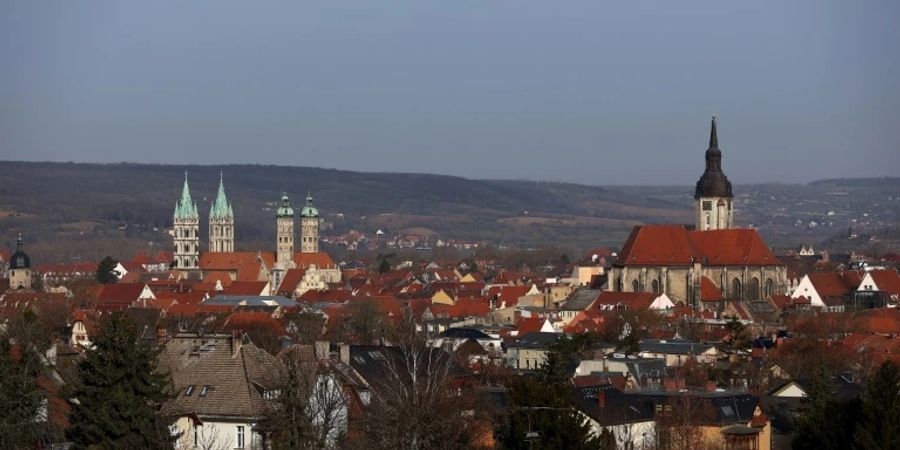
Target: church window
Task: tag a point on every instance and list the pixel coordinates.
(634, 286)
(753, 292)
(736, 289)
(770, 287)
(707, 205)
(655, 285)
(619, 286)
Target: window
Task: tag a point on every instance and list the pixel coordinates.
(707, 205)
(655, 285)
(196, 435)
(205, 390)
(770, 287)
(634, 286)
(240, 437)
(753, 291)
(735, 289)
(190, 390)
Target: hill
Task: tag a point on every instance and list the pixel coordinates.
(69, 209)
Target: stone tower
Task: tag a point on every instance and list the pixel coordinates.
(221, 222)
(19, 268)
(309, 227)
(186, 231)
(713, 199)
(284, 220)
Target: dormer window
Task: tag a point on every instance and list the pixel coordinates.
(189, 391)
(205, 390)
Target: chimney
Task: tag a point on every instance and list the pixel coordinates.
(161, 334)
(237, 339)
(323, 350)
(601, 398)
(710, 386)
(345, 353)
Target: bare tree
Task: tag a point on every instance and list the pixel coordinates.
(680, 423)
(204, 438)
(415, 404)
(309, 411)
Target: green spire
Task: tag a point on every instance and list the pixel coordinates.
(185, 208)
(309, 210)
(220, 208)
(285, 209)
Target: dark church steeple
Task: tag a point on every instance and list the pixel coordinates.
(713, 197)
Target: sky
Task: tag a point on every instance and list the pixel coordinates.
(598, 92)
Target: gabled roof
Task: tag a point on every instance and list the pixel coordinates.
(834, 284)
(245, 288)
(709, 292)
(536, 340)
(233, 371)
(662, 245)
(291, 280)
(581, 300)
(887, 280)
(320, 260)
(631, 300)
(236, 261)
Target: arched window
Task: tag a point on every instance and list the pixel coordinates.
(753, 291)
(619, 286)
(736, 289)
(655, 285)
(634, 286)
(770, 287)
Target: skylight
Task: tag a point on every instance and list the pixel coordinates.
(190, 390)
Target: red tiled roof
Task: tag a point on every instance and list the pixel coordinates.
(887, 280)
(676, 245)
(465, 307)
(290, 282)
(883, 320)
(238, 262)
(245, 288)
(320, 260)
(119, 294)
(187, 298)
(242, 320)
(221, 277)
(834, 284)
(328, 295)
(709, 292)
(631, 300)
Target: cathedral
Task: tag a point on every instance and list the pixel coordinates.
(307, 265)
(708, 263)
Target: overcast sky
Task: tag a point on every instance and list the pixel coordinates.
(586, 91)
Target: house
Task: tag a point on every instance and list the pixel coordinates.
(84, 326)
(676, 352)
(878, 289)
(634, 301)
(453, 338)
(223, 385)
(120, 296)
(529, 351)
(580, 300)
(640, 419)
(828, 290)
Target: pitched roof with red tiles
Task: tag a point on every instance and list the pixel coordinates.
(834, 284)
(709, 292)
(245, 288)
(676, 245)
(529, 324)
(887, 280)
(783, 302)
(198, 309)
(631, 300)
(246, 265)
(320, 260)
(289, 283)
(119, 295)
(243, 320)
(217, 277)
(883, 320)
(328, 295)
(466, 307)
(508, 294)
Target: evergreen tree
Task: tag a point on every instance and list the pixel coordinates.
(384, 267)
(19, 394)
(541, 415)
(827, 422)
(106, 271)
(879, 427)
(119, 395)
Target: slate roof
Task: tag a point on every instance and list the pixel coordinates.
(673, 346)
(235, 372)
(536, 340)
(250, 300)
(464, 333)
(580, 300)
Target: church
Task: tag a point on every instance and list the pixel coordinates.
(309, 267)
(705, 264)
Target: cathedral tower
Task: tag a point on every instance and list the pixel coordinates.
(19, 268)
(221, 222)
(284, 221)
(309, 227)
(186, 230)
(713, 199)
